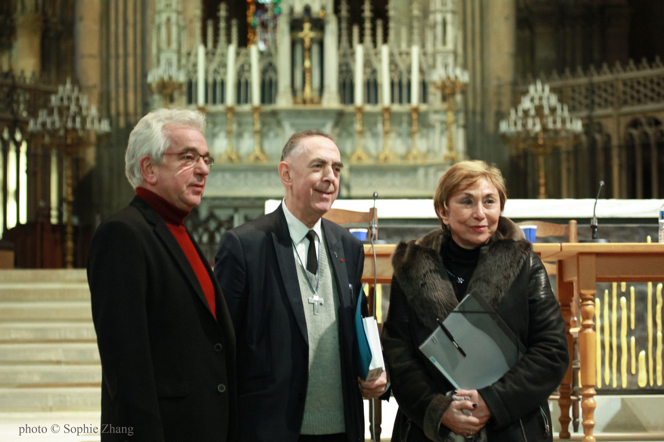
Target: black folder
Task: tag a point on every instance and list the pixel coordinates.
(489, 345)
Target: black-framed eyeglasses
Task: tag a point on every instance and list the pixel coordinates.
(190, 157)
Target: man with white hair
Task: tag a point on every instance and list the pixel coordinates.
(165, 337)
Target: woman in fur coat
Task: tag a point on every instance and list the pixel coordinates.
(477, 250)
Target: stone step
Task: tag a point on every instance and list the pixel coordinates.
(43, 275)
(49, 331)
(66, 353)
(50, 399)
(20, 376)
(44, 291)
(45, 311)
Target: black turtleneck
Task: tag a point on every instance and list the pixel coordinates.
(460, 264)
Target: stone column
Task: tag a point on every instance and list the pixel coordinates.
(331, 50)
(26, 54)
(284, 95)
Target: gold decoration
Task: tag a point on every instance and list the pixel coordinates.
(632, 310)
(658, 320)
(415, 156)
(632, 342)
(386, 156)
(257, 156)
(623, 286)
(643, 373)
(623, 341)
(607, 340)
(598, 348)
(539, 124)
(359, 156)
(650, 335)
(451, 84)
(659, 359)
(306, 35)
(614, 331)
(229, 156)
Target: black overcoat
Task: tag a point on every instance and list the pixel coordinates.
(168, 367)
(256, 269)
(511, 277)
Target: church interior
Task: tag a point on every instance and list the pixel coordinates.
(565, 97)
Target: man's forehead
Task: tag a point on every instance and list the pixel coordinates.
(319, 147)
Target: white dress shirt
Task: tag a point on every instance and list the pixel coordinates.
(298, 231)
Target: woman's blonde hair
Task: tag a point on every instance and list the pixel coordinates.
(463, 175)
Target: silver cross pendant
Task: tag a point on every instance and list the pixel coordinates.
(317, 301)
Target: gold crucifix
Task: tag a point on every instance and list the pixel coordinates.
(306, 35)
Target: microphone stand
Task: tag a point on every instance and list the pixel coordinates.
(373, 227)
(594, 222)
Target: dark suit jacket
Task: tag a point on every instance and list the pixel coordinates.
(168, 366)
(256, 270)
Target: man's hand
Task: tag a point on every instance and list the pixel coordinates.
(373, 389)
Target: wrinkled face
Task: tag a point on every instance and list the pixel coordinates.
(472, 214)
(177, 180)
(311, 177)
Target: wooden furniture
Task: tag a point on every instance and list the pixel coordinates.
(545, 229)
(344, 217)
(384, 271)
(581, 266)
(568, 305)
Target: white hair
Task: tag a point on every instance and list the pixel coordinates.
(151, 137)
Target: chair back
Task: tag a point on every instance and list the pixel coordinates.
(351, 218)
(545, 229)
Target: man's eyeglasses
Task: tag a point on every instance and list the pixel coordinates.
(190, 157)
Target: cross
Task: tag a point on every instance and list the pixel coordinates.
(306, 35)
(317, 302)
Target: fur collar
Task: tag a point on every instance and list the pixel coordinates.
(419, 268)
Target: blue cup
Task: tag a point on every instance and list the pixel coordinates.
(360, 234)
(530, 232)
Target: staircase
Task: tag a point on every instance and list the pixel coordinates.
(48, 351)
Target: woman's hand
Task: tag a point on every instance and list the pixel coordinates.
(482, 411)
(460, 423)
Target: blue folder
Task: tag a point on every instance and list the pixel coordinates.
(363, 356)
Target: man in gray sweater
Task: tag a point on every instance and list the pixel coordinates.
(292, 282)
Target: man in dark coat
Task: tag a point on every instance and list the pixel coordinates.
(292, 281)
(165, 337)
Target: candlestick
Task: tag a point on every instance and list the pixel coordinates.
(230, 76)
(359, 76)
(415, 75)
(257, 156)
(255, 76)
(359, 156)
(200, 77)
(415, 156)
(385, 74)
(230, 156)
(386, 156)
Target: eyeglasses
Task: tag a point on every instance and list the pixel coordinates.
(190, 157)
